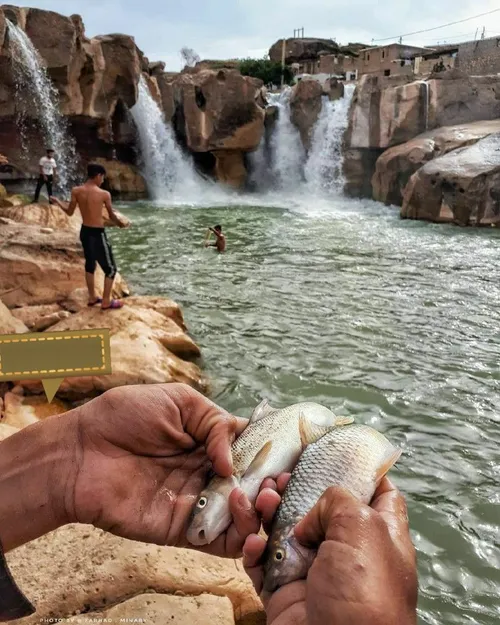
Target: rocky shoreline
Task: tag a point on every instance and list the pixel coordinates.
(100, 575)
(428, 146)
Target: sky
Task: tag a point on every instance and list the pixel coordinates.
(223, 29)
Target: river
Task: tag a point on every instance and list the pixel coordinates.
(393, 322)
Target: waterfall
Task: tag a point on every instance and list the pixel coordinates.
(36, 93)
(165, 167)
(287, 151)
(323, 169)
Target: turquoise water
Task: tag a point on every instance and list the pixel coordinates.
(393, 322)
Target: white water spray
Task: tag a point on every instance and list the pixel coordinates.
(323, 169)
(35, 92)
(168, 172)
(287, 151)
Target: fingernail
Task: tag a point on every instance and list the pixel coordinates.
(244, 502)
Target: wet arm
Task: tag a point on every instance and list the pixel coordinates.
(34, 465)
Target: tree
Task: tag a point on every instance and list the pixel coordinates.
(189, 57)
(268, 71)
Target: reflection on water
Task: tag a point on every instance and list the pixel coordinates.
(394, 322)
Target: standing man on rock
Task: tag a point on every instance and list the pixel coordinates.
(48, 171)
(90, 199)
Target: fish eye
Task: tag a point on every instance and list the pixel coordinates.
(279, 555)
(202, 502)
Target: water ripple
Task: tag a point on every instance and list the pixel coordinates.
(394, 322)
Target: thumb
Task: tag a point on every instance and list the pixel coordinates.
(336, 516)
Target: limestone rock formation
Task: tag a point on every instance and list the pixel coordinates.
(6, 430)
(8, 323)
(462, 186)
(390, 111)
(20, 411)
(175, 609)
(219, 111)
(393, 110)
(96, 80)
(305, 107)
(31, 315)
(123, 179)
(397, 164)
(37, 267)
(147, 347)
(97, 570)
(302, 49)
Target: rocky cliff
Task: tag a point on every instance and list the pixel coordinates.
(219, 114)
(408, 144)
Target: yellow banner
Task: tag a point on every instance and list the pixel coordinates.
(53, 356)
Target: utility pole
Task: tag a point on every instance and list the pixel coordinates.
(283, 55)
(482, 34)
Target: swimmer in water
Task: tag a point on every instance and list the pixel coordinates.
(220, 243)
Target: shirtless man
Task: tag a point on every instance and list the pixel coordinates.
(220, 243)
(90, 199)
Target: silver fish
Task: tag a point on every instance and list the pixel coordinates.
(270, 445)
(355, 457)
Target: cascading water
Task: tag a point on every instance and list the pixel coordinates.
(323, 169)
(167, 170)
(287, 151)
(37, 96)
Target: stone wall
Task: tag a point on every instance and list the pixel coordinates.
(480, 57)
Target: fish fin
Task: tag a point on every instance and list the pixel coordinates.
(389, 461)
(262, 410)
(311, 432)
(259, 459)
(343, 421)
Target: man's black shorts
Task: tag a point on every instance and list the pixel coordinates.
(96, 249)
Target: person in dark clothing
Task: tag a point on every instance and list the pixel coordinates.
(48, 171)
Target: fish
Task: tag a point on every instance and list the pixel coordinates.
(271, 444)
(355, 457)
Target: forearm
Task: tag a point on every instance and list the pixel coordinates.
(36, 466)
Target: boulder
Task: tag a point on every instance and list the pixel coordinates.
(30, 315)
(147, 347)
(96, 570)
(180, 610)
(302, 49)
(50, 320)
(305, 107)
(390, 111)
(63, 55)
(21, 411)
(45, 215)
(42, 268)
(230, 168)
(6, 430)
(334, 89)
(462, 186)
(396, 165)
(359, 168)
(218, 111)
(123, 179)
(8, 323)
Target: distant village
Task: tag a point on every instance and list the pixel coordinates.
(324, 59)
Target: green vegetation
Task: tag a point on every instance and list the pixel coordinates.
(267, 70)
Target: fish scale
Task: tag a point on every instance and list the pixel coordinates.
(271, 444)
(246, 446)
(354, 457)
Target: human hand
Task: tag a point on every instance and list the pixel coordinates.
(365, 570)
(142, 459)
